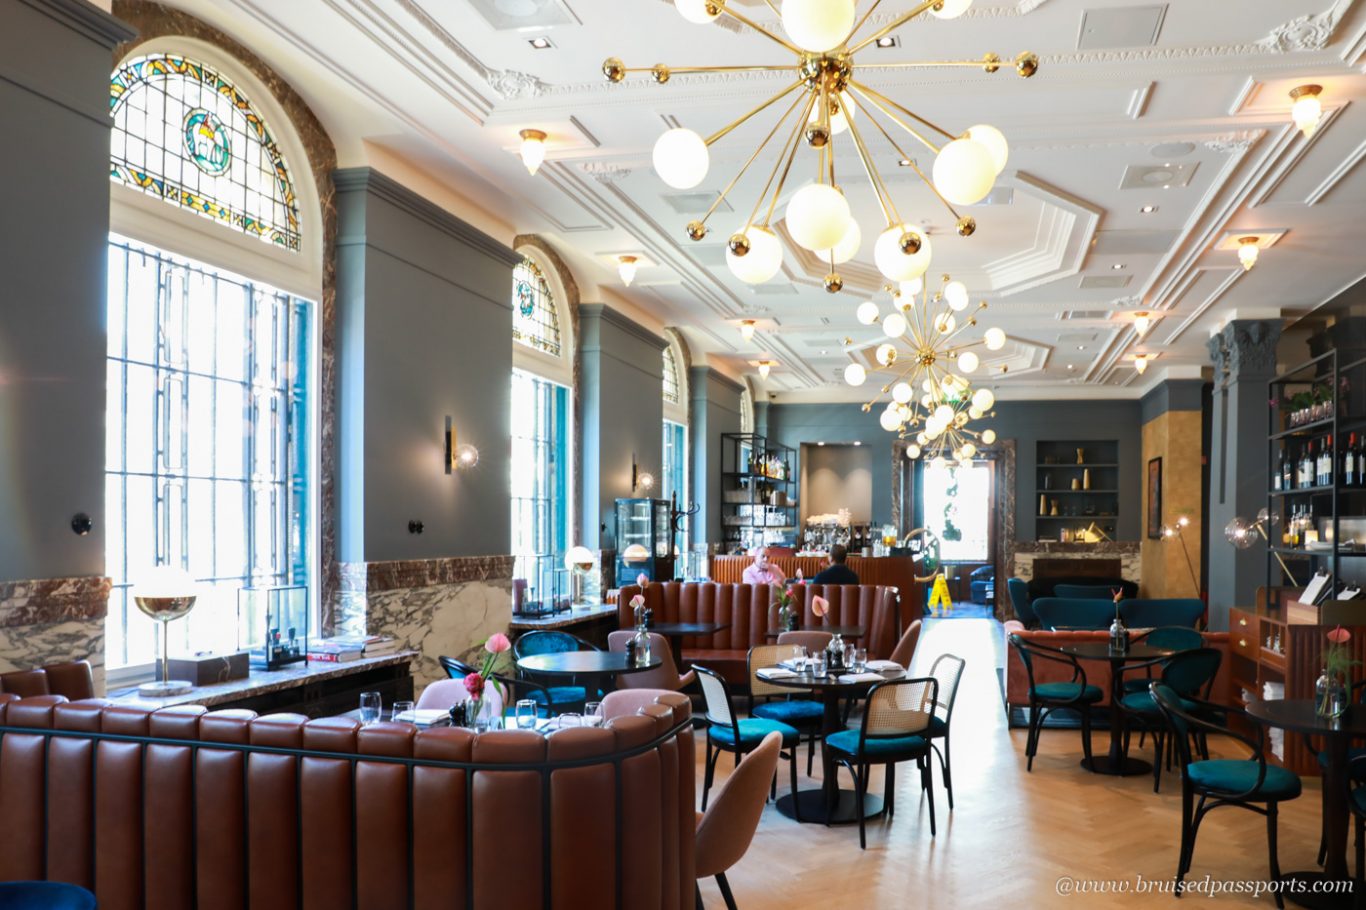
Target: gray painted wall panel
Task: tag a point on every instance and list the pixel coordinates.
(713, 411)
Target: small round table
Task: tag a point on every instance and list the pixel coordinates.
(594, 665)
(675, 632)
(1115, 762)
(1297, 715)
(829, 805)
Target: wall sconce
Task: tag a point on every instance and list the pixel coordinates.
(533, 149)
(640, 480)
(458, 456)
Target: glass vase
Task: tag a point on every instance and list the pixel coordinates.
(1330, 695)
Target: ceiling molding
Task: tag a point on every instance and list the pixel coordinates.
(1312, 32)
(1336, 175)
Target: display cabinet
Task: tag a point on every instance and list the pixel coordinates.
(272, 625)
(758, 492)
(1076, 489)
(645, 524)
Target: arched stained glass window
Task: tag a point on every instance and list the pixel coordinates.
(746, 411)
(671, 383)
(535, 321)
(184, 133)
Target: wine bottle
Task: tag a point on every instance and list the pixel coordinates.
(1286, 469)
(1276, 474)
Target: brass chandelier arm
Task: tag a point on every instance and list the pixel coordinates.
(888, 106)
(789, 152)
(892, 26)
(889, 211)
(918, 64)
(866, 16)
(687, 70)
(776, 11)
(925, 178)
(745, 20)
(752, 158)
(726, 130)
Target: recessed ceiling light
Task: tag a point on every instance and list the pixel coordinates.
(540, 43)
(1081, 347)
(1071, 367)
(1118, 266)
(1147, 209)
(888, 41)
(905, 162)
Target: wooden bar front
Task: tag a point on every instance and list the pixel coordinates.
(894, 571)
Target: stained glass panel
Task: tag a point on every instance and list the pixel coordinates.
(535, 322)
(184, 133)
(671, 383)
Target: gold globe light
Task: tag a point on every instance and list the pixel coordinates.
(754, 255)
(826, 102)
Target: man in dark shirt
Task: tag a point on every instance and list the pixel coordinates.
(836, 573)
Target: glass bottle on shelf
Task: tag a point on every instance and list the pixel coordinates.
(1285, 469)
(1304, 475)
(1324, 475)
(1276, 474)
(1350, 465)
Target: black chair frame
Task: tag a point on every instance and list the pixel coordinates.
(1041, 707)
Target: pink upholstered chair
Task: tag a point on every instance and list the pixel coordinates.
(447, 693)
(904, 652)
(665, 676)
(724, 831)
(815, 641)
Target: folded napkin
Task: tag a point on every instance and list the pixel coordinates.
(882, 665)
(861, 677)
(775, 673)
(423, 716)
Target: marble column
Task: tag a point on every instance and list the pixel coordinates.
(1244, 355)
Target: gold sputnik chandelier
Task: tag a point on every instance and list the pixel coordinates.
(927, 399)
(828, 100)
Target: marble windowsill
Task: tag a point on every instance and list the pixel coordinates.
(261, 682)
(563, 620)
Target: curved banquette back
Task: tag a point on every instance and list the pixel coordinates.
(184, 808)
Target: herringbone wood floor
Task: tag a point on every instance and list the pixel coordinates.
(1012, 834)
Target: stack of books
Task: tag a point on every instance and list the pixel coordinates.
(345, 648)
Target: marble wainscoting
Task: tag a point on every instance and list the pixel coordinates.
(435, 607)
(1126, 551)
(51, 620)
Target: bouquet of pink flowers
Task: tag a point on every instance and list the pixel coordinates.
(496, 646)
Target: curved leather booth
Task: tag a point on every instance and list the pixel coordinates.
(184, 808)
(751, 612)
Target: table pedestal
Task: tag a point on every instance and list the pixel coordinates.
(824, 807)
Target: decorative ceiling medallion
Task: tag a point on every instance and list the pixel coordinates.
(1306, 33)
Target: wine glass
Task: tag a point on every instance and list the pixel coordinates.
(569, 719)
(371, 706)
(401, 708)
(592, 714)
(526, 713)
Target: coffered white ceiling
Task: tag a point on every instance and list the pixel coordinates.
(1180, 106)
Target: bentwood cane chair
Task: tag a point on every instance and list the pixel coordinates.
(725, 830)
(1044, 698)
(1250, 784)
(895, 728)
(727, 732)
(948, 672)
(780, 703)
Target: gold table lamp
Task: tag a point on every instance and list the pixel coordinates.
(165, 594)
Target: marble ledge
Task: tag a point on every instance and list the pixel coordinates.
(1103, 548)
(261, 682)
(562, 620)
(374, 577)
(43, 601)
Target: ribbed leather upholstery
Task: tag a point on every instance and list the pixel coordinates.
(751, 612)
(73, 680)
(180, 824)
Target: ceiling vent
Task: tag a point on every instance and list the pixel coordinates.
(1125, 26)
(1157, 176)
(514, 15)
(695, 203)
(1069, 315)
(1097, 282)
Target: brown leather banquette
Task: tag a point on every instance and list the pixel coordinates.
(751, 611)
(73, 679)
(182, 808)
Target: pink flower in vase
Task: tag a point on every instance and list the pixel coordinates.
(1339, 636)
(637, 601)
(474, 684)
(642, 580)
(498, 643)
(800, 577)
(820, 606)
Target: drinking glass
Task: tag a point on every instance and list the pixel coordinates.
(569, 719)
(592, 714)
(371, 704)
(400, 708)
(526, 713)
(860, 660)
(821, 667)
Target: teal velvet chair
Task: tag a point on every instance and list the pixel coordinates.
(728, 732)
(1066, 613)
(563, 698)
(1172, 611)
(1084, 592)
(1190, 674)
(1044, 698)
(1018, 589)
(895, 728)
(45, 896)
(1250, 784)
(782, 704)
(1172, 638)
(549, 701)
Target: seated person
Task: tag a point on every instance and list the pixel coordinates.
(761, 571)
(836, 573)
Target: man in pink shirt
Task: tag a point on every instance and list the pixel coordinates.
(761, 571)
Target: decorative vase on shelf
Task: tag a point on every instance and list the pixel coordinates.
(1043, 505)
(1081, 456)
(1330, 695)
(1086, 479)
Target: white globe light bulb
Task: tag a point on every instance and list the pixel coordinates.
(867, 313)
(967, 362)
(896, 265)
(995, 143)
(964, 172)
(960, 419)
(950, 9)
(956, 295)
(855, 374)
(696, 11)
(988, 436)
(926, 401)
(995, 339)
(890, 421)
(762, 262)
(681, 159)
(894, 325)
(909, 289)
(818, 25)
(886, 354)
(969, 449)
(902, 392)
(818, 217)
(928, 386)
(913, 452)
(938, 463)
(943, 414)
(842, 108)
(848, 246)
(975, 412)
(983, 399)
(921, 438)
(933, 430)
(944, 323)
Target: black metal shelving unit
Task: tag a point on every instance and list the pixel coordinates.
(758, 491)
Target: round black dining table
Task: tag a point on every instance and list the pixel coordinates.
(1297, 715)
(675, 632)
(1115, 761)
(829, 804)
(593, 666)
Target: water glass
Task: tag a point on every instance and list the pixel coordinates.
(569, 719)
(860, 660)
(371, 705)
(526, 713)
(592, 714)
(401, 708)
(822, 668)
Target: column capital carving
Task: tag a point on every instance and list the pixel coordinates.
(1246, 348)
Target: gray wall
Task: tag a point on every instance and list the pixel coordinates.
(837, 477)
(713, 410)
(55, 60)
(1026, 422)
(424, 332)
(621, 395)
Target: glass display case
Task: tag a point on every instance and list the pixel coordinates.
(544, 589)
(644, 540)
(272, 625)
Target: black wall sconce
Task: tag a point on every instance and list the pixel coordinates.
(640, 480)
(458, 457)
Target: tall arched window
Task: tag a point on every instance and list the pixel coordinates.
(211, 423)
(746, 410)
(675, 441)
(535, 321)
(672, 387)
